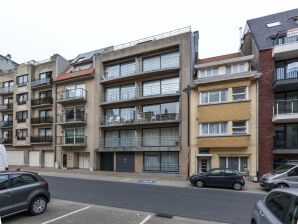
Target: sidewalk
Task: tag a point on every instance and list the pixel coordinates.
(144, 178)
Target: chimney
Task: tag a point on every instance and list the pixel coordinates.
(8, 56)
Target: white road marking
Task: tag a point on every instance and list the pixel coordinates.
(125, 180)
(68, 214)
(146, 219)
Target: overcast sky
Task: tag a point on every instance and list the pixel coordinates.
(37, 29)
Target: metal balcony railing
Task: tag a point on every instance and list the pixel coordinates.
(72, 117)
(286, 40)
(8, 89)
(41, 101)
(40, 138)
(21, 120)
(73, 94)
(285, 107)
(40, 82)
(138, 118)
(41, 120)
(5, 124)
(6, 140)
(21, 138)
(282, 73)
(71, 140)
(8, 106)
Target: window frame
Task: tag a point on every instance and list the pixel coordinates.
(23, 117)
(22, 77)
(18, 96)
(22, 134)
(220, 91)
(240, 127)
(239, 94)
(208, 128)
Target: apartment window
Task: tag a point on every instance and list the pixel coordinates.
(158, 112)
(22, 80)
(74, 114)
(22, 98)
(236, 68)
(80, 67)
(123, 138)
(74, 136)
(163, 61)
(7, 100)
(235, 163)
(22, 116)
(216, 128)
(8, 84)
(122, 69)
(217, 96)
(45, 94)
(45, 75)
(161, 136)
(240, 127)
(77, 90)
(208, 72)
(7, 135)
(228, 69)
(45, 132)
(286, 136)
(7, 118)
(125, 92)
(164, 86)
(286, 69)
(161, 161)
(21, 134)
(45, 113)
(239, 93)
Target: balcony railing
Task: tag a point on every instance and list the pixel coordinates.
(21, 138)
(72, 118)
(41, 120)
(42, 101)
(286, 40)
(40, 138)
(281, 73)
(6, 140)
(138, 118)
(8, 106)
(150, 141)
(71, 140)
(5, 90)
(21, 120)
(41, 82)
(5, 124)
(285, 107)
(73, 94)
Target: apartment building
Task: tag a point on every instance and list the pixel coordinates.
(143, 111)
(6, 63)
(273, 39)
(27, 110)
(223, 114)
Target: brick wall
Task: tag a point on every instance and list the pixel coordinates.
(266, 102)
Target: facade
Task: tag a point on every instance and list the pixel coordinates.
(6, 63)
(223, 114)
(273, 40)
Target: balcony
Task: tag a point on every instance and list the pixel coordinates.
(41, 83)
(6, 90)
(71, 119)
(21, 120)
(41, 139)
(6, 107)
(139, 118)
(35, 121)
(286, 49)
(71, 141)
(21, 138)
(285, 111)
(285, 80)
(72, 96)
(152, 143)
(6, 124)
(39, 102)
(6, 141)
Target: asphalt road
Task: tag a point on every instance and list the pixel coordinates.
(218, 205)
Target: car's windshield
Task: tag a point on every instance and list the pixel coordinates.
(283, 168)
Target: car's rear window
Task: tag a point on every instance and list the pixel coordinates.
(283, 168)
(17, 180)
(3, 181)
(277, 203)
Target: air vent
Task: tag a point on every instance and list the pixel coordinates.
(164, 215)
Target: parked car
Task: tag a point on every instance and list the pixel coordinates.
(283, 176)
(279, 206)
(23, 191)
(219, 178)
(3, 158)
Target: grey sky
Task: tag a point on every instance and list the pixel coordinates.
(36, 29)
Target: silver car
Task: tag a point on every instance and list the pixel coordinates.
(279, 206)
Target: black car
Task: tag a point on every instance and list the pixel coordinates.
(23, 191)
(219, 178)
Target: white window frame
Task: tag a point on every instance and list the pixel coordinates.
(220, 97)
(220, 128)
(246, 93)
(240, 127)
(205, 72)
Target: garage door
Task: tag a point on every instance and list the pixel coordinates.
(125, 162)
(48, 159)
(34, 158)
(84, 160)
(15, 157)
(107, 161)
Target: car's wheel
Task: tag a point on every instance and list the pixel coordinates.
(237, 186)
(281, 186)
(200, 183)
(38, 205)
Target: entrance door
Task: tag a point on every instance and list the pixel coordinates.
(125, 162)
(107, 161)
(84, 160)
(64, 160)
(48, 159)
(203, 164)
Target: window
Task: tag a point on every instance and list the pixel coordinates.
(216, 172)
(273, 24)
(80, 67)
(208, 72)
(7, 119)
(217, 96)
(239, 127)
(22, 116)
(45, 75)
(161, 136)
(21, 134)
(7, 135)
(234, 163)
(237, 68)
(74, 136)
(8, 84)
(123, 138)
(122, 69)
(7, 101)
(77, 90)
(22, 98)
(4, 181)
(230, 173)
(120, 93)
(45, 113)
(45, 132)
(159, 112)
(18, 180)
(214, 129)
(286, 69)
(164, 86)
(74, 114)
(45, 94)
(163, 61)
(228, 69)
(277, 203)
(292, 217)
(22, 80)
(286, 136)
(239, 93)
(161, 161)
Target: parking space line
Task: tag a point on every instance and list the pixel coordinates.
(125, 180)
(146, 219)
(68, 214)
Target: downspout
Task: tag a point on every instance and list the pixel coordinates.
(257, 129)
(55, 116)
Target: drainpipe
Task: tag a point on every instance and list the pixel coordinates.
(257, 131)
(54, 119)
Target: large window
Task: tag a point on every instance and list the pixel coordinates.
(163, 61)
(45, 132)
(21, 134)
(217, 96)
(7, 118)
(277, 203)
(240, 127)
(120, 93)
(164, 86)
(22, 80)
(77, 90)
(286, 136)
(158, 112)
(235, 163)
(216, 128)
(8, 84)
(74, 135)
(122, 115)
(74, 114)
(22, 116)
(22, 98)
(208, 72)
(45, 94)
(123, 138)
(286, 69)
(239, 93)
(122, 69)
(161, 136)
(161, 161)
(7, 101)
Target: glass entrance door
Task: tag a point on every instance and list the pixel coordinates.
(203, 164)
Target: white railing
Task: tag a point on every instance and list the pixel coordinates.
(285, 107)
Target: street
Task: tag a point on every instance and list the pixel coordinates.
(220, 205)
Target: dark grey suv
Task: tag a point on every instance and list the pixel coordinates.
(23, 191)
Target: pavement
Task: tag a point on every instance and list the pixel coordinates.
(69, 212)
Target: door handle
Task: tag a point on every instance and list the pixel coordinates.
(261, 213)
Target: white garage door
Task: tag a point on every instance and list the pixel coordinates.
(15, 157)
(84, 160)
(48, 159)
(34, 158)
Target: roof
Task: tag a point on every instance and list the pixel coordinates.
(262, 33)
(219, 58)
(88, 55)
(71, 75)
